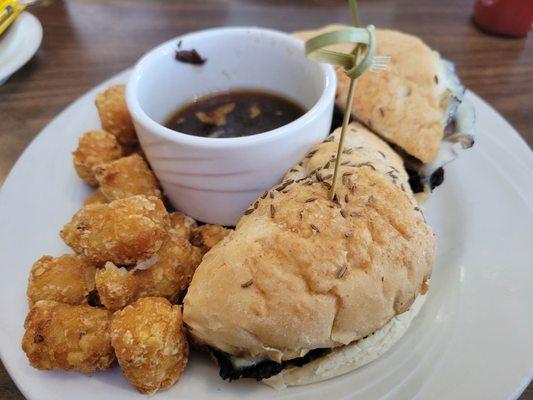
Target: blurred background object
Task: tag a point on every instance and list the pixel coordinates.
(9, 11)
(20, 36)
(504, 17)
(18, 44)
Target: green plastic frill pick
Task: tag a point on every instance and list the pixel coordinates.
(354, 64)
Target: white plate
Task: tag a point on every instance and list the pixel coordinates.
(472, 340)
(18, 44)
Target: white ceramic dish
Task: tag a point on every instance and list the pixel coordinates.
(18, 44)
(215, 179)
(472, 339)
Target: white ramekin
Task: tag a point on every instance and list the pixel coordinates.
(215, 179)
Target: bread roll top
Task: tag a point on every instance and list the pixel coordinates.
(407, 103)
(302, 272)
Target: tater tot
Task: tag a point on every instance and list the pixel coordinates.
(114, 114)
(207, 236)
(167, 274)
(72, 338)
(94, 147)
(182, 224)
(125, 177)
(150, 343)
(96, 197)
(67, 279)
(116, 286)
(125, 231)
(172, 273)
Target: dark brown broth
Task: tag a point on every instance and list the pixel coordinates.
(234, 113)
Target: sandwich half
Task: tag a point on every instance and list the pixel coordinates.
(306, 288)
(416, 105)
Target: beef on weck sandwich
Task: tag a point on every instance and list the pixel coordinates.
(416, 105)
(304, 284)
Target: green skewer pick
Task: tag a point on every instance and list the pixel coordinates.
(354, 64)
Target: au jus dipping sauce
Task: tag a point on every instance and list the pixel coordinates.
(234, 113)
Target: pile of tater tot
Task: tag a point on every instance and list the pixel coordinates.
(117, 296)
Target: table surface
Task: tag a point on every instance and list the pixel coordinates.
(87, 41)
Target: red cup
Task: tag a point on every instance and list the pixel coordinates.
(504, 17)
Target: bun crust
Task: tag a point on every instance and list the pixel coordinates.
(348, 358)
(404, 104)
(301, 272)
